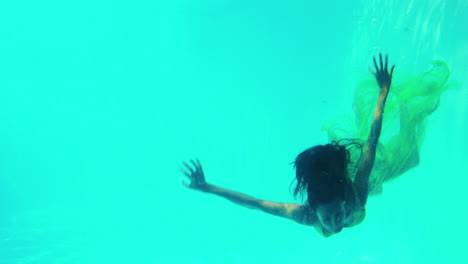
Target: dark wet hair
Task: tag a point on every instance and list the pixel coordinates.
(321, 171)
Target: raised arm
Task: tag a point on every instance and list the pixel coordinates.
(292, 211)
(384, 79)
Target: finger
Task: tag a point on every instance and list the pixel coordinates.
(186, 173)
(370, 69)
(188, 167)
(199, 165)
(375, 65)
(185, 184)
(195, 164)
(198, 162)
(391, 70)
(381, 62)
(386, 62)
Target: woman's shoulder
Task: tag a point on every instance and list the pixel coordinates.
(355, 211)
(356, 218)
(309, 216)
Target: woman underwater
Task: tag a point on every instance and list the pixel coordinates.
(336, 180)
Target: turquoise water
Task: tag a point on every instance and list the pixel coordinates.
(100, 101)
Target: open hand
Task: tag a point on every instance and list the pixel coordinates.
(382, 75)
(195, 174)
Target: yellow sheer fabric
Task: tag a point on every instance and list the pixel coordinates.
(410, 101)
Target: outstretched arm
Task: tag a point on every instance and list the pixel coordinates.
(384, 79)
(292, 211)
